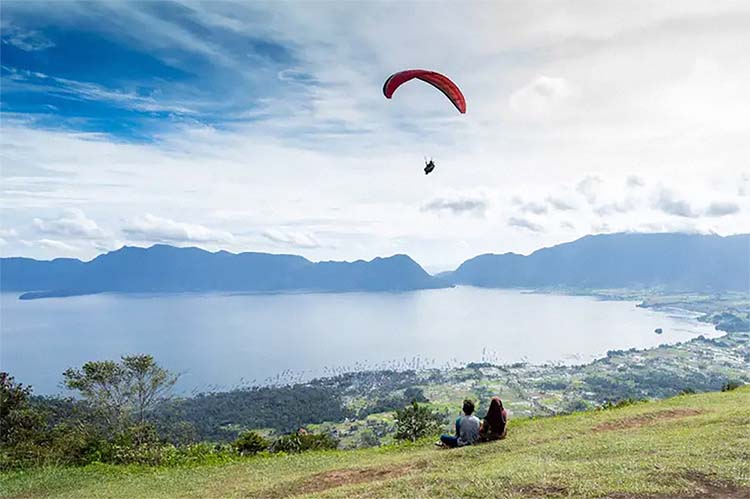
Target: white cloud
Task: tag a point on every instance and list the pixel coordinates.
(668, 202)
(524, 223)
(530, 206)
(6, 234)
(57, 246)
(30, 81)
(156, 229)
(722, 208)
(540, 97)
(291, 238)
(656, 92)
(589, 188)
(561, 204)
(26, 40)
(601, 228)
(744, 187)
(73, 223)
(622, 206)
(634, 181)
(458, 204)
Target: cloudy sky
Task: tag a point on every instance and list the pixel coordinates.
(262, 126)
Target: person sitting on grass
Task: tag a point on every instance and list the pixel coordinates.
(495, 423)
(467, 429)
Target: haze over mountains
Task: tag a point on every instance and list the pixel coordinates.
(669, 261)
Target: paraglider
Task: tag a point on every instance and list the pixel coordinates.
(437, 80)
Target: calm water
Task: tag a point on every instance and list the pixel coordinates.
(221, 341)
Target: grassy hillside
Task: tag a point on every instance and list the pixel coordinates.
(695, 445)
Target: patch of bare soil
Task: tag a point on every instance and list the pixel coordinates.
(350, 476)
(704, 486)
(646, 419)
(534, 490)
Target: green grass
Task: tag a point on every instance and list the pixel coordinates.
(682, 445)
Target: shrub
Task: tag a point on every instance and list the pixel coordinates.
(731, 385)
(250, 442)
(166, 454)
(416, 421)
(619, 403)
(152, 454)
(138, 434)
(76, 443)
(299, 443)
(368, 438)
(576, 405)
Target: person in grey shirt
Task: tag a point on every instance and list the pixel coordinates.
(467, 428)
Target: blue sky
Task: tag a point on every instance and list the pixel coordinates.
(84, 70)
(261, 126)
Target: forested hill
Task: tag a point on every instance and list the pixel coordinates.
(627, 260)
(163, 268)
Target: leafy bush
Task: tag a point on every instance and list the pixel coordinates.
(204, 453)
(368, 438)
(416, 421)
(619, 403)
(731, 385)
(576, 405)
(65, 444)
(138, 434)
(250, 443)
(300, 443)
(153, 454)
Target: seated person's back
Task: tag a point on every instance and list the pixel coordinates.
(468, 425)
(495, 422)
(467, 429)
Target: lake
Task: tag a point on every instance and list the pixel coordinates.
(220, 341)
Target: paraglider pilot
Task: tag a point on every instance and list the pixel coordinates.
(428, 166)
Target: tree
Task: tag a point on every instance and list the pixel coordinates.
(19, 422)
(121, 390)
(149, 382)
(103, 384)
(416, 421)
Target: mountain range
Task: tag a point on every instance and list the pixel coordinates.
(674, 261)
(167, 269)
(627, 260)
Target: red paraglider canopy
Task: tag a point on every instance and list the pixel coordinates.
(437, 80)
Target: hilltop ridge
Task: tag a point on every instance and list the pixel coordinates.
(687, 446)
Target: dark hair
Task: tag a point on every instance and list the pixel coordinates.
(468, 407)
(495, 419)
